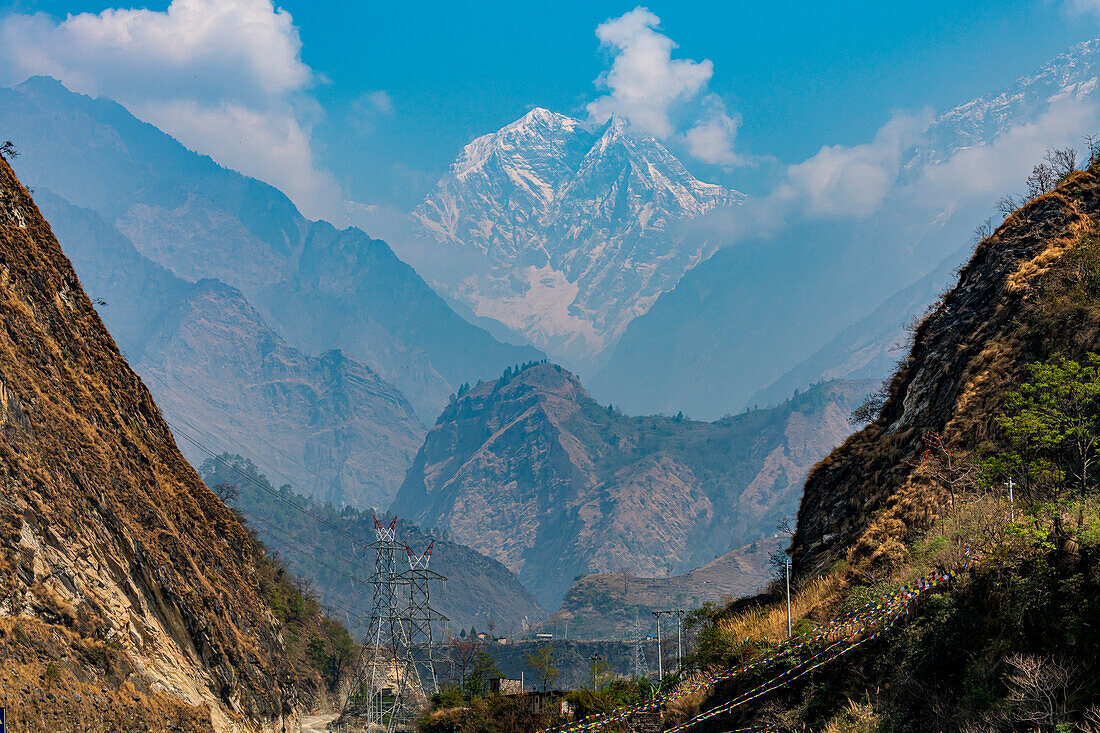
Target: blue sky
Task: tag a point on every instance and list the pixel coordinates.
(381, 96)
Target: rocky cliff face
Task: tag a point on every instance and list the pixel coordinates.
(127, 591)
(327, 423)
(531, 471)
(563, 233)
(1021, 298)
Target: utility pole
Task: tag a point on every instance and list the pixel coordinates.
(660, 661)
(595, 658)
(788, 596)
(1011, 503)
(679, 642)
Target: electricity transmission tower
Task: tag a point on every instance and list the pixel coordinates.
(420, 615)
(641, 669)
(386, 691)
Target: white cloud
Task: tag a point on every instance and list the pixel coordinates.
(223, 76)
(662, 96)
(380, 101)
(1084, 6)
(711, 138)
(993, 169)
(842, 181)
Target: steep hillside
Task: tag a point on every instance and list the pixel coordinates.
(129, 596)
(966, 355)
(480, 591)
(199, 220)
(531, 471)
(328, 424)
(604, 605)
(562, 233)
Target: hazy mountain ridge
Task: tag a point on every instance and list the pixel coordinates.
(478, 588)
(603, 606)
(872, 347)
(563, 233)
(530, 470)
(197, 219)
(328, 424)
(1073, 74)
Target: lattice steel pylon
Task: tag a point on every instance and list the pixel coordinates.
(641, 668)
(386, 688)
(420, 616)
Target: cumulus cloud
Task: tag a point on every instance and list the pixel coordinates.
(851, 181)
(1084, 6)
(990, 169)
(225, 77)
(380, 101)
(660, 95)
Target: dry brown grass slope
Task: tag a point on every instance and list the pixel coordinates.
(128, 598)
(1026, 295)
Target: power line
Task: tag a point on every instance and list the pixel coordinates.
(258, 484)
(271, 469)
(271, 530)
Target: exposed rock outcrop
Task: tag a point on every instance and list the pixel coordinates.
(863, 500)
(533, 472)
(127, 591)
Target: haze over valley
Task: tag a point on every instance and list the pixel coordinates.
(342, 385)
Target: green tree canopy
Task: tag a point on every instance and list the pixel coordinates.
(1053, 424)
(542, 664)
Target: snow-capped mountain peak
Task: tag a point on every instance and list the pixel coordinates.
(570, 225)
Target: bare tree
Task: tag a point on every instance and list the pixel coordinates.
(7, 150)
(464, 653)
(982, 231)
(226, 492)
(1008, 203)
(305, 586)
(1041, 180)
(1062, 161)
(1039, 689)
(868, 410)
(1093, 144)
(955, 470)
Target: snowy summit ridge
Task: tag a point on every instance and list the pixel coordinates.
(561, 232)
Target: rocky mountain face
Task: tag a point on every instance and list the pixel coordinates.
(562, 233)
(479, 592)
(128, 594)
(319, 287)
(1072, 75)
(533, 472)
(605, 605)
(752, 294)
(1026, 295)
(327, 424)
